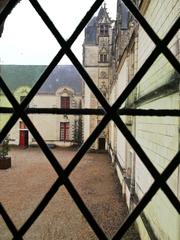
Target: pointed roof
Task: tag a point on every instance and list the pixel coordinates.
(92, 22)
(103, 14)
(90, 30)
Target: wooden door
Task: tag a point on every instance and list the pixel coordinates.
(23, 135)
(101, 143)
(21, 138)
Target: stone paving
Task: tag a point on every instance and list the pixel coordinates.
(24, 185)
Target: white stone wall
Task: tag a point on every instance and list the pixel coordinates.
(120, 86)
(158, 136)
(161, 15)
(163, 217)
(91, 55)
(48, 125)
(90, 101)
(44, 101)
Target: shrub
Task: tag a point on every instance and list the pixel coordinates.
(4, 148)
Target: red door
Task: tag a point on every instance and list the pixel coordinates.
(21, 138)
(23, 135)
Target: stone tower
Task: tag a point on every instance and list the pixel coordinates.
(97, 62)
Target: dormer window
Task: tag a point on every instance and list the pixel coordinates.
(65, 102)
(104, 30)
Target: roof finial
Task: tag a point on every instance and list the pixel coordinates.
(104, 5)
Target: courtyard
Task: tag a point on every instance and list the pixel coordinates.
(24, 185)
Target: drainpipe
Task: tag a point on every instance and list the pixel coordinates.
(133, 167)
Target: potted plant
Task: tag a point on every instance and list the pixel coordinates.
(5, 160)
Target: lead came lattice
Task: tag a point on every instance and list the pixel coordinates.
(110, 113)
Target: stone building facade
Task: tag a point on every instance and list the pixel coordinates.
(62, 89)
(158, 136)
(159, 89)
(112, 55)
(97, 55)
(60, 129)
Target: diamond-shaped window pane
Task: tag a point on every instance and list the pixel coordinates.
(26, 40)
(123, 128)
(60, 220)
(4, 231)
(165, 10)
(29, 178)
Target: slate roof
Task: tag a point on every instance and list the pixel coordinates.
(103, 12)
(63, 76)
(122, 15)
(90, 30)
(27, 75)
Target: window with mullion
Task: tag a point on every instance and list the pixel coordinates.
(103, 58)
(65, 102)
(64, 131)
(103, 30)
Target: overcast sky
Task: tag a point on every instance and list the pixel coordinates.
(27, 40)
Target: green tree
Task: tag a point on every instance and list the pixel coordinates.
(78, 129)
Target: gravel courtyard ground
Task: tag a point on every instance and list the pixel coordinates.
(24, 185)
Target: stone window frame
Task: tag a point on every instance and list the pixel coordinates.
(103, 30)
(103, 58)
(65, 102)
(109, 113)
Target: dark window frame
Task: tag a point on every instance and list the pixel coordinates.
(65, 102)
(104, 30)
(64, 131)
(103, 58)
